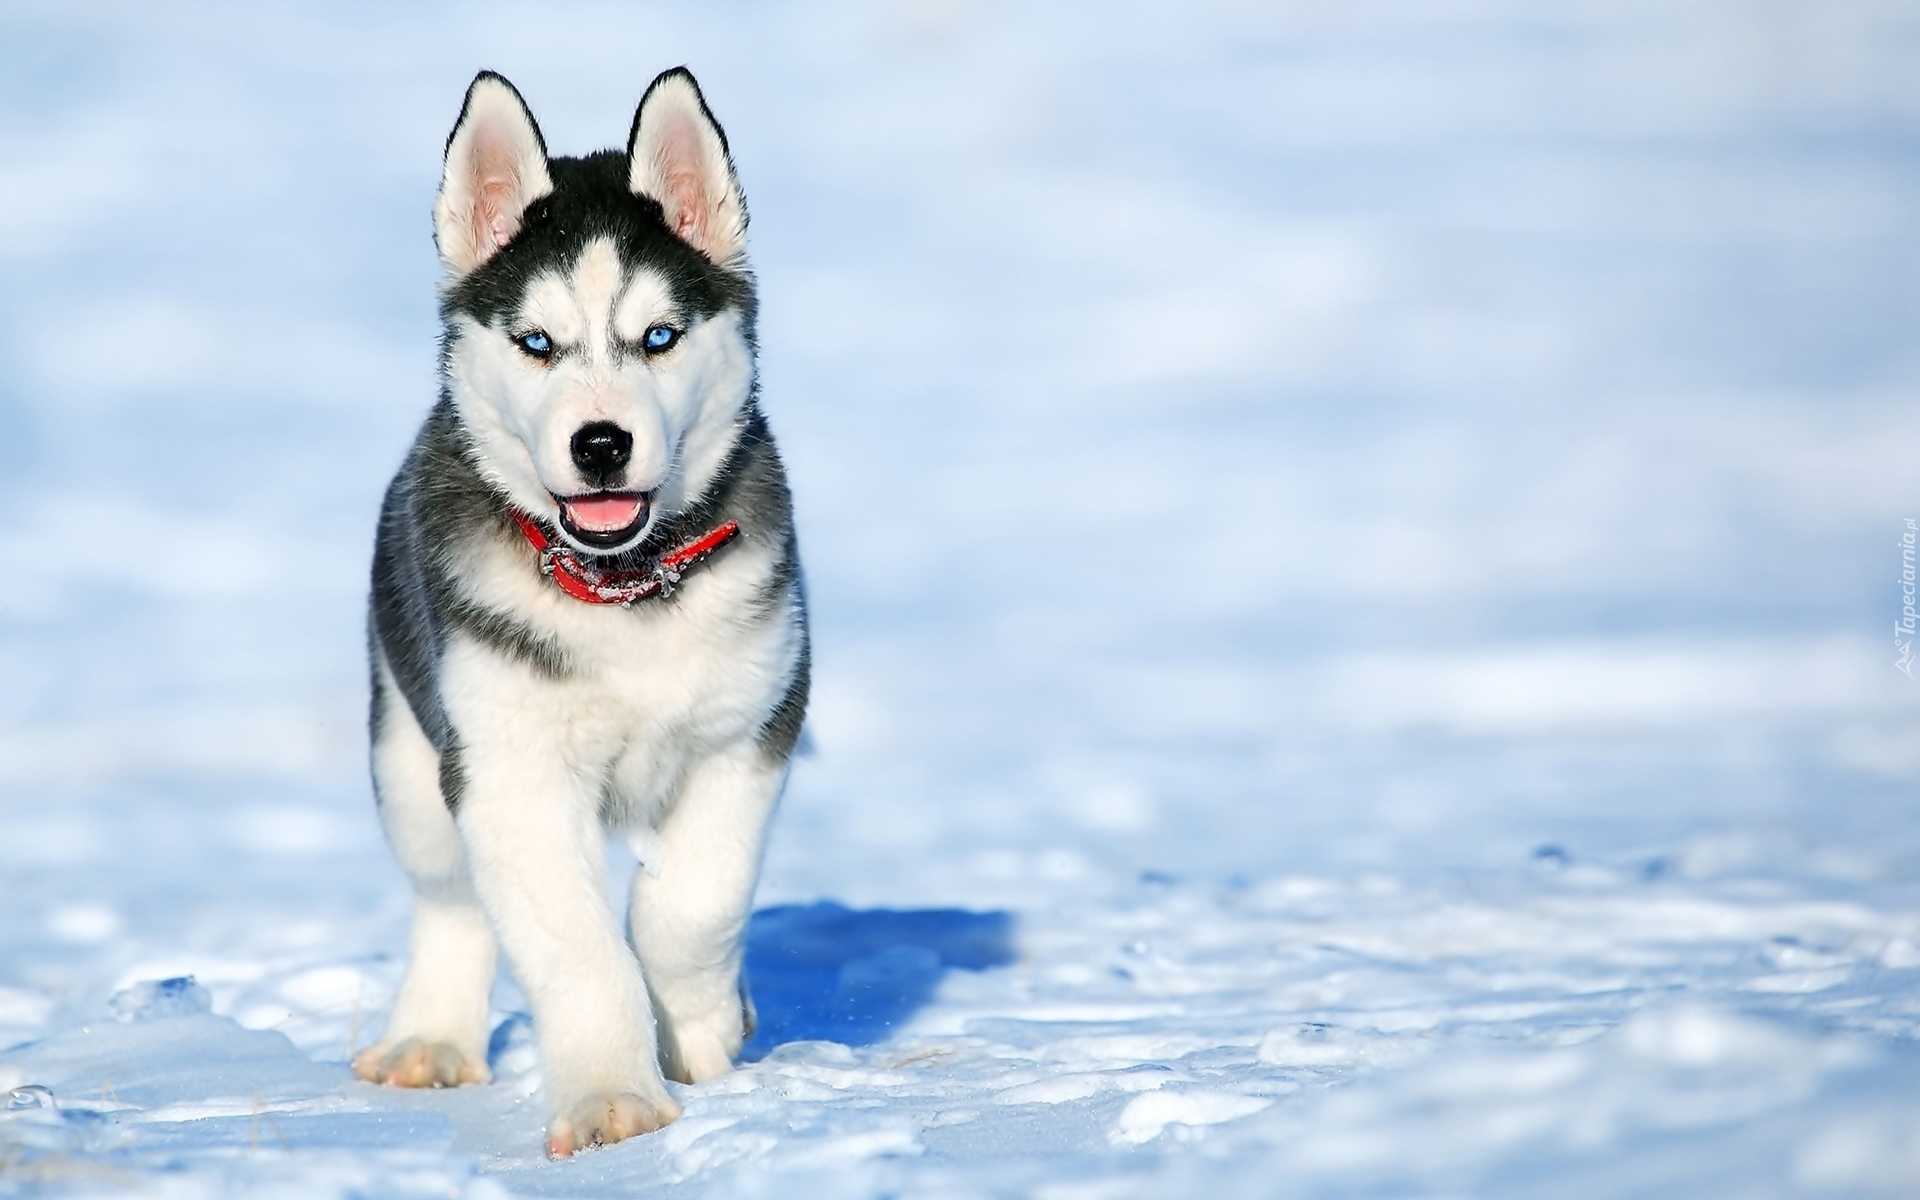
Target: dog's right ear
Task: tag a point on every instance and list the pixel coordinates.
(496, 166)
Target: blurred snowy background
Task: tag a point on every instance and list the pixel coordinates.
(1366, 534)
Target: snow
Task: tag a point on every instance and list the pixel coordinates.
(1352, 550)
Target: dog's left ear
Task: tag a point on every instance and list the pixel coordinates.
(677, 155)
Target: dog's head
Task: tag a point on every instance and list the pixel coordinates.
(599, 311)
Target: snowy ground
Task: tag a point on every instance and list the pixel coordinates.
(1353, 549)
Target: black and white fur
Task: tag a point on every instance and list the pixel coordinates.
(514, 726)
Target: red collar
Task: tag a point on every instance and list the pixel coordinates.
(584, 581)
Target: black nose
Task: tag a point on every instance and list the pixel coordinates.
(601, 449)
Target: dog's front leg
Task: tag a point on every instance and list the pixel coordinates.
(691, 903)
(528, 811)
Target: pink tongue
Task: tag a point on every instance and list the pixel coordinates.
(603, 514)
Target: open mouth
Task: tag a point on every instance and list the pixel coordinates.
(604, 519)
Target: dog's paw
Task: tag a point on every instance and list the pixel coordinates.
(603, 1119)
(412, 1062)
(701, 1056)
(698, 1050)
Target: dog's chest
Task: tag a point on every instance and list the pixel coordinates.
(683, 665)
(651, 687)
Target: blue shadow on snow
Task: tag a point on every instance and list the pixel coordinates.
(826, 972)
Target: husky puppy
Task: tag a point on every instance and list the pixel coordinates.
(586, 617)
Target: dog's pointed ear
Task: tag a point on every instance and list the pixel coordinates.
(496, 166)
(677, 155)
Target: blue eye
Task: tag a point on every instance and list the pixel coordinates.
(536, 343)
(661, 336)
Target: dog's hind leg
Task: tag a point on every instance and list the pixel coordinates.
(437, 1035)
(690, 908)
